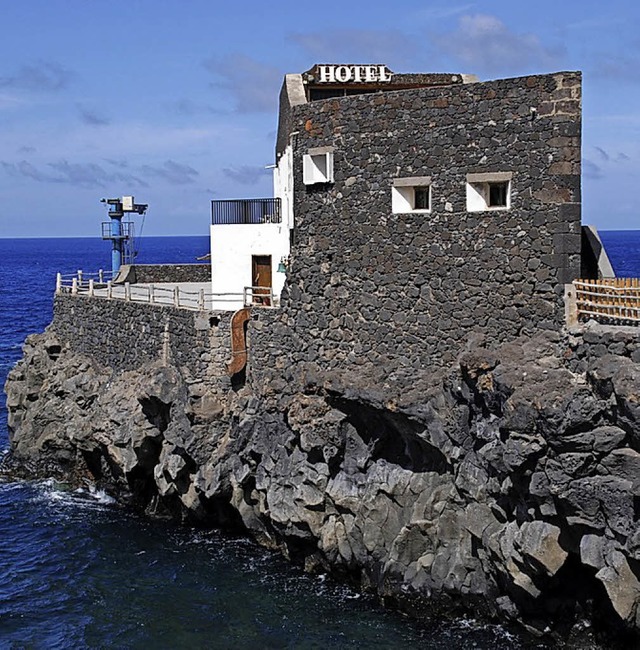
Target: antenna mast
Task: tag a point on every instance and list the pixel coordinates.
(121, 234)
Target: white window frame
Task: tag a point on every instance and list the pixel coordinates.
(317, 166)
(403, 194)
(478, 191)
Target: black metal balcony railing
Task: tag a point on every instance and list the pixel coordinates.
(253, 211)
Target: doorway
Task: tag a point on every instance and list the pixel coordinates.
(261, 279)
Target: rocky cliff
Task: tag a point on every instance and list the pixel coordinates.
(507, 483)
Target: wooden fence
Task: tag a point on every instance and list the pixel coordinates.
(611, 300)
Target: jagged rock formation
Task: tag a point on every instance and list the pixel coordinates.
(507, 483)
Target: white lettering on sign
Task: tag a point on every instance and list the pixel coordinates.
(353, 73)
(343, 74)
(327, 73)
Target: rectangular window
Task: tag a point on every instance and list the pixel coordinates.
(488, 191)
(421, 198)
(317, 166)
(498, 194)
(412, 194)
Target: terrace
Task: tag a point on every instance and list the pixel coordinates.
(246, 211)
(195, 296)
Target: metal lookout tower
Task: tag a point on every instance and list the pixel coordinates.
(121, 233)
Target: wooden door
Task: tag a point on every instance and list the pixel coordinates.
(261, 274)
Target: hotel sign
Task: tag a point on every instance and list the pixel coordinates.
(343, 74)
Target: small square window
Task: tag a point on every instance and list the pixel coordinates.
(488, 191)
(317, 167)
(411, 195)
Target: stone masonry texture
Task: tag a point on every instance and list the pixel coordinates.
(146, 273)
(408, 290)
(415, 415)
(125, 335)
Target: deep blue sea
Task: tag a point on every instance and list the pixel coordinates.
(77, 571)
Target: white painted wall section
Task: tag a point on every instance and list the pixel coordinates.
(232, 247)
(283, 185)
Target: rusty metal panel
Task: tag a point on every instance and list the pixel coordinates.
(238, 341)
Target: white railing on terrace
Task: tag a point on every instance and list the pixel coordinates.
(181, 295)
(82, 278)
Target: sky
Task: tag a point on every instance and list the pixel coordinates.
(175, 101)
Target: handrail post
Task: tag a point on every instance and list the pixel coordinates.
(151, 294)
(201, 300)
(127, 291)
(74, 286)
(101, 276)
(58, 282)
(79, 277)
(176, 297)
(109, 290)
(91, 287)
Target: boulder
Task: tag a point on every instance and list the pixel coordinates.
(494, 481)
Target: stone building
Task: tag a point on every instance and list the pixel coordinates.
(420, 210)
(368, 431)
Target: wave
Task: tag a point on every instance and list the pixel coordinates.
(57, 492)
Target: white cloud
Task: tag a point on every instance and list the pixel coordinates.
(442, 11)
(92, 117)
(172, 172)
(619, 67)
(358, 45)
(10, 101)
(87, 175)
(253, 85)
(128, 140)
(95, 175)
(189, 108)
(485, 45)
(47, 76)
(597, 22)
(246, 174)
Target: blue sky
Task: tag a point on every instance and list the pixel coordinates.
(175, 101)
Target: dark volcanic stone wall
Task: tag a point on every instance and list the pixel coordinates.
(125, 335)
(408, 290)
(599, 341)
(145, 273)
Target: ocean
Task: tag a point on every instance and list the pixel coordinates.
(79, 571)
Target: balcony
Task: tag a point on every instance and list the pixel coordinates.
(126, 230)
(251, 211)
